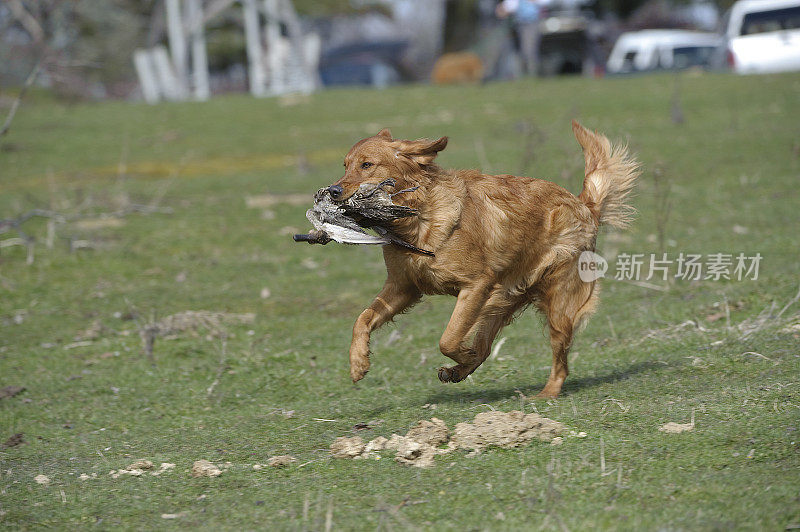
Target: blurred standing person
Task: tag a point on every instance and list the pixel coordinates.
(526, 15)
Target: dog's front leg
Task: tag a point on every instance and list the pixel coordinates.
(393, 299)
(452, 344)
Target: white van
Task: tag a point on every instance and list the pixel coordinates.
(648, 50)
(763, 36)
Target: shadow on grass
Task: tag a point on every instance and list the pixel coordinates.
(453, 394)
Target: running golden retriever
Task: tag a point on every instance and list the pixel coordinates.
(500, 243)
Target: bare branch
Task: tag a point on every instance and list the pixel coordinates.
(27, 20)
(14, 106)
(16, 223)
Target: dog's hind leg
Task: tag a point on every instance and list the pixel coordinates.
(466, 315)
(392, 300)
(566, 302)
(496, 313)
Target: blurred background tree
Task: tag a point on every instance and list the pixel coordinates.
(87, 45)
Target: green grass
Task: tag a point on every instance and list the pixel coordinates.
(733, 162)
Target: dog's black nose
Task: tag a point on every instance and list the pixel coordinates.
(335, 191)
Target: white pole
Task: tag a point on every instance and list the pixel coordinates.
(312, 45)
(147, 76)
(177, 41)
(274, 48)
(304, 48)
(165, 72)
(194, 14)
(255, 57)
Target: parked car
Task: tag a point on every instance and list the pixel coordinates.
(565, 44)
(363, 63)
(763, 36)
(650, 50)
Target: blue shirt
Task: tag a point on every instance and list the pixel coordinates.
(527, 11)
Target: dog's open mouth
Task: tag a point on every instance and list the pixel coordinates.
(370, 207)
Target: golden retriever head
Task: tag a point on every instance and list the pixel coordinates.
(375, 159)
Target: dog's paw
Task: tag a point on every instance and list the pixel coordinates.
(359, 363)
(358, 371)
(548, 394)
(450, 374)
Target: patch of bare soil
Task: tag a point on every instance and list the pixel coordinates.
(676, 428)
(13, 441)
(433, 432)
(505, 429)
(137, 469)
(281, 461)
(426, 439)
(410, 451)
(204, 468)
(416, 448)
(345, 447)
(193, 320)
(94, 331)
(10, 391)
(140, 464)
(165, 466)
(190, 321)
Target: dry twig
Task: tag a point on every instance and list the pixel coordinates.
(663, 204)
(223, 361)
(794, 300)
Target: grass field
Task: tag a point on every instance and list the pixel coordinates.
(220, 182)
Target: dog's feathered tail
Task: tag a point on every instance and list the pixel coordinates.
(611, 174)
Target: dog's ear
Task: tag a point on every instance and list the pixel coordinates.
(422, 151)
(385, 133)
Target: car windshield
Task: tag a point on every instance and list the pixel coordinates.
(775, 20)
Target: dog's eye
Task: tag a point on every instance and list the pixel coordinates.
(365, 165)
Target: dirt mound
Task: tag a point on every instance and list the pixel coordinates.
(505, 429)
(416, 448)
(676, 428)
(425, 440)
(204, 468)
(140, 464)
(281, 461)
(193, 320)
(407, 450)
(433, 432)
(165, 466)
(345, 447)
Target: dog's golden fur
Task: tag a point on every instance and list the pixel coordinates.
(501, 243)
